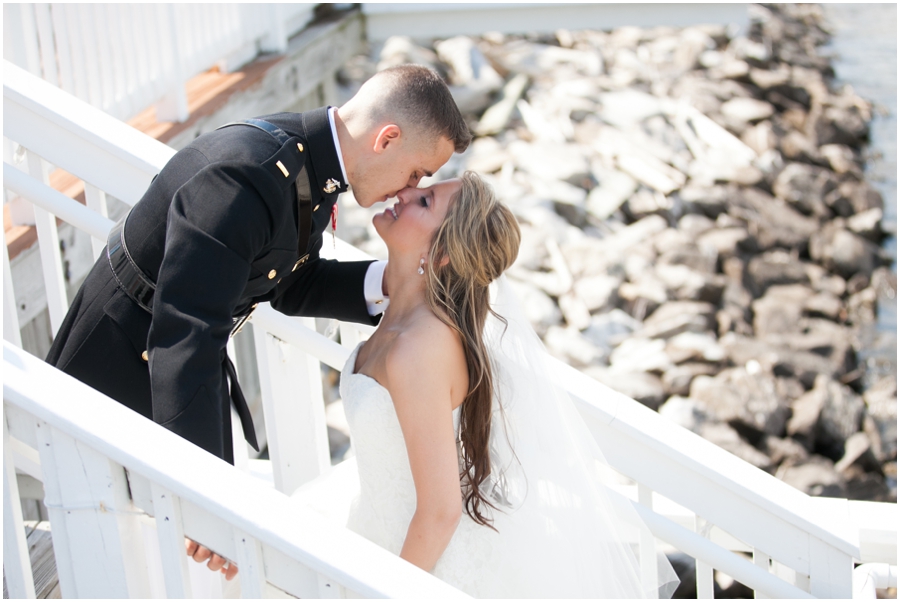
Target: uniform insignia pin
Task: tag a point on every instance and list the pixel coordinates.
(331, 185)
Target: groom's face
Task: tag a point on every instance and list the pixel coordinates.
(397, 164)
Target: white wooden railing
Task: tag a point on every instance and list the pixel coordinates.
(123, 58)
(694, 496)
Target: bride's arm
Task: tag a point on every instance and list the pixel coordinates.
(424, 375)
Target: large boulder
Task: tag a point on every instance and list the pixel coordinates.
(826, 417)
(747, 400)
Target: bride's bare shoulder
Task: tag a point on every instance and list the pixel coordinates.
(428, 352)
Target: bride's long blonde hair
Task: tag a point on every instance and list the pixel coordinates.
(479, 238)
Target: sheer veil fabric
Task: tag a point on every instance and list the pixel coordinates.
(561, 532)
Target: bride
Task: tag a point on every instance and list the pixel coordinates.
(473, 463)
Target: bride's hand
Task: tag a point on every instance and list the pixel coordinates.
(216, 563)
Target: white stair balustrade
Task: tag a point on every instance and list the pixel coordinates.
(124, 58)
(106, 467)
(761, 532)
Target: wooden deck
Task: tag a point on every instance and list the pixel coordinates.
(43, 563)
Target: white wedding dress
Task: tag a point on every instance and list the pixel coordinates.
(560, 533)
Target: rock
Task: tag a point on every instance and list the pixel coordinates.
(609, 329)
(498, 115)
(858, 452)
(651, 172)
(728, 439)
(780, 450)
(693, 346)
(867, 224)
(841, 158)
(640, 386)
(552, 161)
(815, 476)
(399, 50)
(841, 126)
(843, 251)
(747, 109)
(804, 186)
(797, 147)
(861, 196)
(684, 411)
(598, 292)
(840, 415)
(486, 155)
(683, 283)
(773, 222)
(540, 309)
(694, 225)
(776, 267)
(823, 281)
(537, 60)
(708, 201)
(747, 401)
(881, 406)
(824, 304)
(628, 107)
(677, 380)
(761, 137)
(572, 347)
(780, 309)
(727, 242)
(675, 317)
(638, 354)
(613, 189)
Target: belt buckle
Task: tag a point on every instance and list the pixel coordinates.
(239, 325)
(300, 262)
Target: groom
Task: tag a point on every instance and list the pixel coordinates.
(237, 218)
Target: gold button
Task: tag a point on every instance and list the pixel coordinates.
(316, 208)
(144, 356)
(272, 274)
(299, 147)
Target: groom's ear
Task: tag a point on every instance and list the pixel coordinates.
(387, 135)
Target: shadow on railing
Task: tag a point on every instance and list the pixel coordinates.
(696, 497)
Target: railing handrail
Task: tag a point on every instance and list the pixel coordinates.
(704, 458)
(44, 115)
(198, 477)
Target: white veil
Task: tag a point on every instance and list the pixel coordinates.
(563, 534)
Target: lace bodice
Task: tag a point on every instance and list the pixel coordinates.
(387, 494)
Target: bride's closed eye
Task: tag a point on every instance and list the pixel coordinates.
(424, 201)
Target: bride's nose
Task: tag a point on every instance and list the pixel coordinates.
(405, 195)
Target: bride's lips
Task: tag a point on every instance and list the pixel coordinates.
(393, 211)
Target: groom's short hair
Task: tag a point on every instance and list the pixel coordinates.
(419, 97)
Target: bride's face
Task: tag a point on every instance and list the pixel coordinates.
(410, 224)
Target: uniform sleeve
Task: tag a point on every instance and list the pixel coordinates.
(326, 288)
(217, 223)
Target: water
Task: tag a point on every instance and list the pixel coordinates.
(864, 47)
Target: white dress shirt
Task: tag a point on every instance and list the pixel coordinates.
(376, 301)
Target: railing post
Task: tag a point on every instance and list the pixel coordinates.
(96, 531)
(830, 571)
(170, 532)
(16, 561)
(11, 330)
(705, 586)
(96, 200)
(762, 561)
(174, 105)
(291, 387)
(250, 564)
(48, 242)
(649, 567)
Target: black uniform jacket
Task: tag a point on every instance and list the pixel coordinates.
(217, 231)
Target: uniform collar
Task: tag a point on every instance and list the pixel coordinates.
(324, 154)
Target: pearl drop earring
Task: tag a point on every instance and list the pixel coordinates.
(421, 269)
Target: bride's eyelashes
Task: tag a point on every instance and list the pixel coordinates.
(424, 201)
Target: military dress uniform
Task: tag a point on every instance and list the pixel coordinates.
(215, 234)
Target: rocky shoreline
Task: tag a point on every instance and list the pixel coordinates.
(698, 231)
